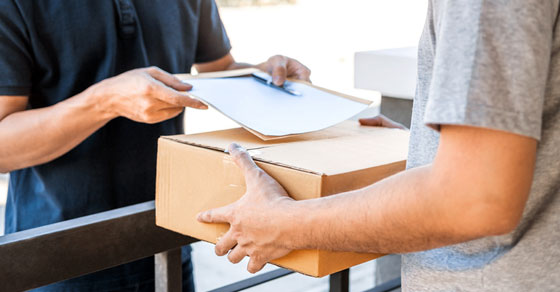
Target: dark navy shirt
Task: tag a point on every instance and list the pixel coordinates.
(51, 50)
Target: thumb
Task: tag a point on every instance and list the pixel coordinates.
(217, 215)
(168, 79)
(279, 74)
(277, 67)
(242, 158)
(373, 122)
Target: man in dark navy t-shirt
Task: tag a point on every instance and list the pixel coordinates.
(79, 120)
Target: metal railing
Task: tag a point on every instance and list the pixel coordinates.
(65, 250)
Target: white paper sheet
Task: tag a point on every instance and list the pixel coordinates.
(273, 112)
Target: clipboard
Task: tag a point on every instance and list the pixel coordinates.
(205, 89)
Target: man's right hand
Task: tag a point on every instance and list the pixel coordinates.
(31, 137)
(148, 95)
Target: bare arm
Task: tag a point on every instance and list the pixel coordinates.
(32, 137)
(477, 186)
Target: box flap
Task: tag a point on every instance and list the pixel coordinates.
(343, 148)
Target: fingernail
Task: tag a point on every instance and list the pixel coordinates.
(236, 147)
(199, 216)
(276, 80)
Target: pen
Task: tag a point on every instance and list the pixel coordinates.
(267, 80)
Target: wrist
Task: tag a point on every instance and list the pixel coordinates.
(296, 225)
(100, 102)
(91, 103)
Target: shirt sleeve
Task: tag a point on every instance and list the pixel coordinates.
(491, 64)
(213, 42)
(15, 59)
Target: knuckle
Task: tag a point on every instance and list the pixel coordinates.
(281, 68)
(149, 88)
(238, 155)
(252, 253)
(235, 235)
(256, 258)
(146, 105)
(230, 214)
(144, 114)
(152, 69)
(258, 173)
(236, 223)
(244, 243)
(178, 100)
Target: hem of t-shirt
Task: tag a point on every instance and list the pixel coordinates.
(519, 123)
(15, 90)
(215, 55)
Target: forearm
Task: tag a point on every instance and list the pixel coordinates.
(225, 63)
(239, 65)
(37, 136)
(404, 213)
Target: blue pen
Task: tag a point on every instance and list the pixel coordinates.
(267, 80)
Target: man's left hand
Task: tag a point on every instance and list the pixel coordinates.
(282, 68)
(255, 229)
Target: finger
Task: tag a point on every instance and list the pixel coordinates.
(217, 215)
(236, 255)
(242, 158)
(373, 122)
(225, 244)
(255, 265)
(163, 115)
(279, 74)
(168, 79)
(299, 70)
(171, 96)
(169, 113)
(304, 74)
(277, 68)
(388, 123)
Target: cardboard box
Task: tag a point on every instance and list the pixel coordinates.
(194, 174)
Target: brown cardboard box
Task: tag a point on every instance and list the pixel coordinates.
(194, 174)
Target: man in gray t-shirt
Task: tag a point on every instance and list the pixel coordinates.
(479, 206)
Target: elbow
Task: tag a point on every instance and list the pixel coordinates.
(490, 219)
(4, 168)
(501, 224)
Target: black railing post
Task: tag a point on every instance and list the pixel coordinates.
(168, 277)
(340, 282)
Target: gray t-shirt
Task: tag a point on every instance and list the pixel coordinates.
(492, 64)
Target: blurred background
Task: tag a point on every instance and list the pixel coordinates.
(323, 35)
